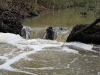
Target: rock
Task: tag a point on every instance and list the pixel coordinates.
(86, 33)
(91, 35)
(34, 14)
(12, 21)
(49, 33)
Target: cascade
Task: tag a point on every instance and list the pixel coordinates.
(25, 32)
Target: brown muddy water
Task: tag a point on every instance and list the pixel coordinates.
(38, 56)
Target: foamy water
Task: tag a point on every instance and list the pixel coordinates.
(32, 46)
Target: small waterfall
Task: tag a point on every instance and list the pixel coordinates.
(30, 33)
(25, 33)
(38, 32)
(60, 34)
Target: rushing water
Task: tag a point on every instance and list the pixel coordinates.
(38, 56)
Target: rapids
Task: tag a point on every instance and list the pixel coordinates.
(38, 56)
(20, 56)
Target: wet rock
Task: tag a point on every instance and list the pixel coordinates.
(49, 33)
(11, 20)
(86, 33)
(52, 33)
(91, 35)
(34, 14)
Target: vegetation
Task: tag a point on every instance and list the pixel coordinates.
(24, 6)
(53, 4)
(66, 3)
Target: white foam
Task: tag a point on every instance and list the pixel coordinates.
(35, 45)
(19, 42)
(79, 46)
(70, 50)
(9, 38)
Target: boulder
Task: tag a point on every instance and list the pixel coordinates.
(85, 33)
(10, 20)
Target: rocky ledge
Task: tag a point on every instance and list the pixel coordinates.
(10, 21)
